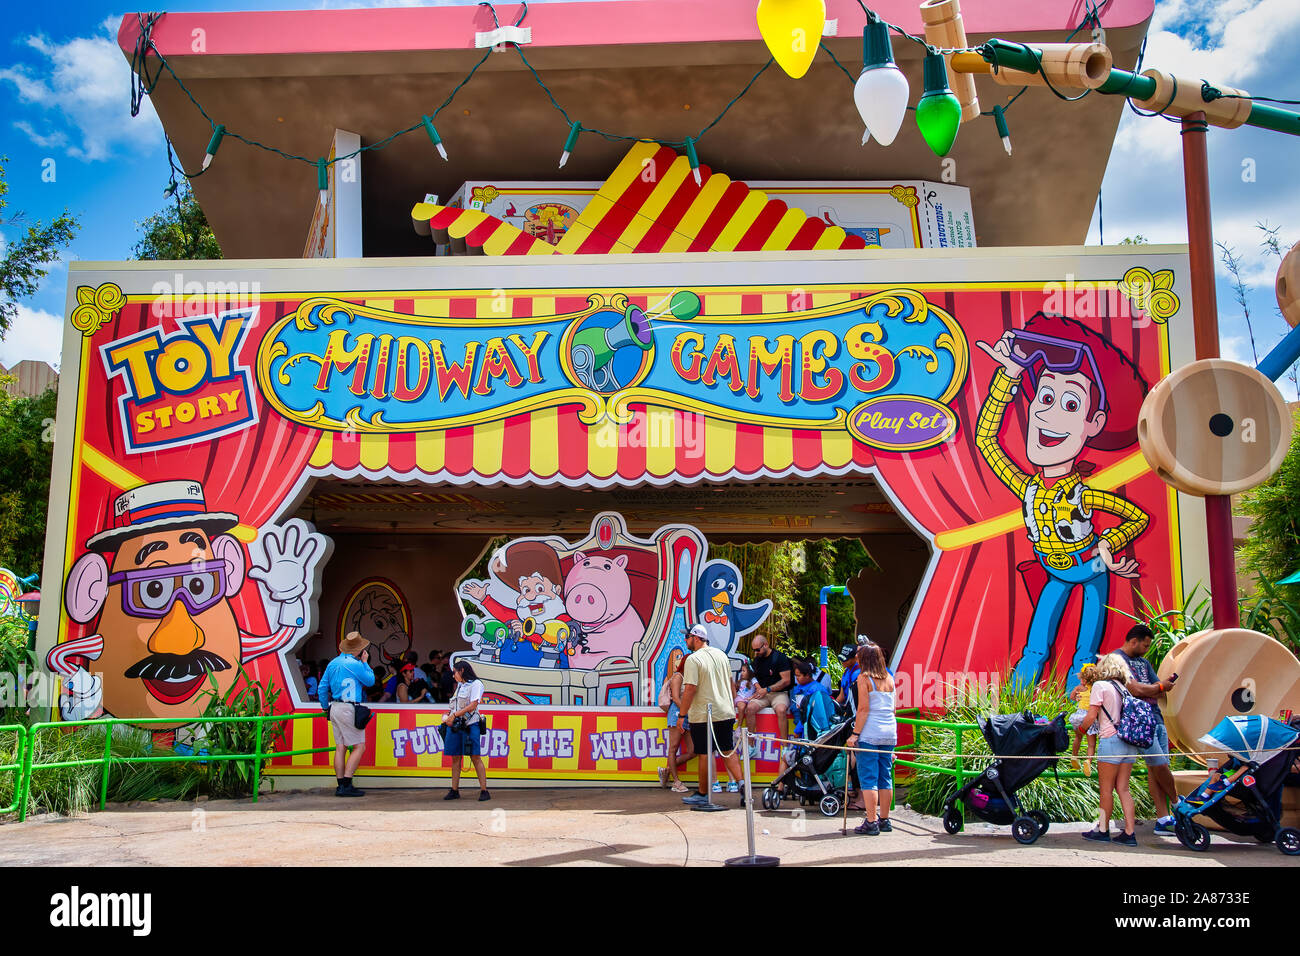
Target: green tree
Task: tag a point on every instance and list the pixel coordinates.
(179, 231)
(26, 257)
(1272, 549)
(26, 457)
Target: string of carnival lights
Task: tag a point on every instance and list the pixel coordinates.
(881, 94)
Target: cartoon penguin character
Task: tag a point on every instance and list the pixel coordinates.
(716, 603)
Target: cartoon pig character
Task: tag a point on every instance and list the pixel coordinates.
(598, 596)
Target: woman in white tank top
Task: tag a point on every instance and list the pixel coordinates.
(875, 729)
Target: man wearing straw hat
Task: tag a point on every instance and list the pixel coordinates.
(339, 693)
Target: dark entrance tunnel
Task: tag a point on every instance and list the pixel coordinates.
(411, 544)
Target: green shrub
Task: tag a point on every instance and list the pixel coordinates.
(18, 659)
(1271, 612)
(1172, 626)
(234, 778)
(73, 790)
(1063, 800)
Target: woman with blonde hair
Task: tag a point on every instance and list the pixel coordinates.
(1115, 757)
(679, 737)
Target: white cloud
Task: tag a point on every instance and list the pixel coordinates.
(1243, 43)
(33, 334)
(81, 88)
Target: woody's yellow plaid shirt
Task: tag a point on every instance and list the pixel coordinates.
(1049, 505)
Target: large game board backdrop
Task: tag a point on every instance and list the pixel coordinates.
(996, 410)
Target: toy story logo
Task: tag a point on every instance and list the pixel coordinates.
(183, 387)
(601, 621)
(881, 367)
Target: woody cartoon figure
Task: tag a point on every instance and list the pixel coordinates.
(158, 585)
(1085, 393)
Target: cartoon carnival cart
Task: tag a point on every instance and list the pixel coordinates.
(587, 623)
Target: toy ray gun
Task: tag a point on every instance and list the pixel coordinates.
(555, 633)
(593, 349)
(491, 636)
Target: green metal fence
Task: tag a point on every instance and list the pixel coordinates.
(26, 741)
(106, 760)
(959, 769)
(21, 737)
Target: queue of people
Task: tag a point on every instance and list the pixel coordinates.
(705, 706)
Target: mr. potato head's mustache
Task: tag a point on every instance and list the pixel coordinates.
(177, 666)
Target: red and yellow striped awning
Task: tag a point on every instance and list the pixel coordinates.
(650, 203)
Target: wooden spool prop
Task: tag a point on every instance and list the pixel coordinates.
(1214, 427)
(1226, 672)
(1288, 286)
(1221, 673)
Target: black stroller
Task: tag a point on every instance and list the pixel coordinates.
(815, 774)
(992, 795)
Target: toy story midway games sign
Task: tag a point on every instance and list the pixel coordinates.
(992, 395)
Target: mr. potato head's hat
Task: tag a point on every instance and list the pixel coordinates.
(160, 506)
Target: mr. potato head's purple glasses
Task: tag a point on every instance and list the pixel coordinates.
(1057, 355)
(151, 592)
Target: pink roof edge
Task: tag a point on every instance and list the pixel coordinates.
(569, 24)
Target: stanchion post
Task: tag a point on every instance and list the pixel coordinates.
(753, 859)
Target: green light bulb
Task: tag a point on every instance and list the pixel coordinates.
(938, 113)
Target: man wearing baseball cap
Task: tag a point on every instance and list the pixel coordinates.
(707, 681)
(339, 693)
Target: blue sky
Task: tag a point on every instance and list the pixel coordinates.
(64, 97)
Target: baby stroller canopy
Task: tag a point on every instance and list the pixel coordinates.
(1251, 738)
(1024, 735)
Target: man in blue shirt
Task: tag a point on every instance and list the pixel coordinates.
(340, 689)
(1145, 684)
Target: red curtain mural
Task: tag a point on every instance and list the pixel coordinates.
(974, 615)
(250, 473)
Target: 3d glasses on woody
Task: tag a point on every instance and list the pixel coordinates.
(1057, 355)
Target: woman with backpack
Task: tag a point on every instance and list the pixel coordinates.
(1115, 756)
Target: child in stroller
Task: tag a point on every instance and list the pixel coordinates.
(1242, 795)
(1034, 742)
(815, 774)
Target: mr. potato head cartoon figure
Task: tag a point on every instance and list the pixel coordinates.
(158, 587)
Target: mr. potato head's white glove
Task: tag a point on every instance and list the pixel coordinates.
(290, 558)
(82, 696)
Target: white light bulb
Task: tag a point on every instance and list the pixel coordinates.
(866, 137)
(442, 151)
(881, 98)
(1006, 144)
(207, 160)
(564, 158)
(325, 198)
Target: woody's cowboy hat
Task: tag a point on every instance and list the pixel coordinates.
(160, 506)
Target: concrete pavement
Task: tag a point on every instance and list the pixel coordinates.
(621, 827)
